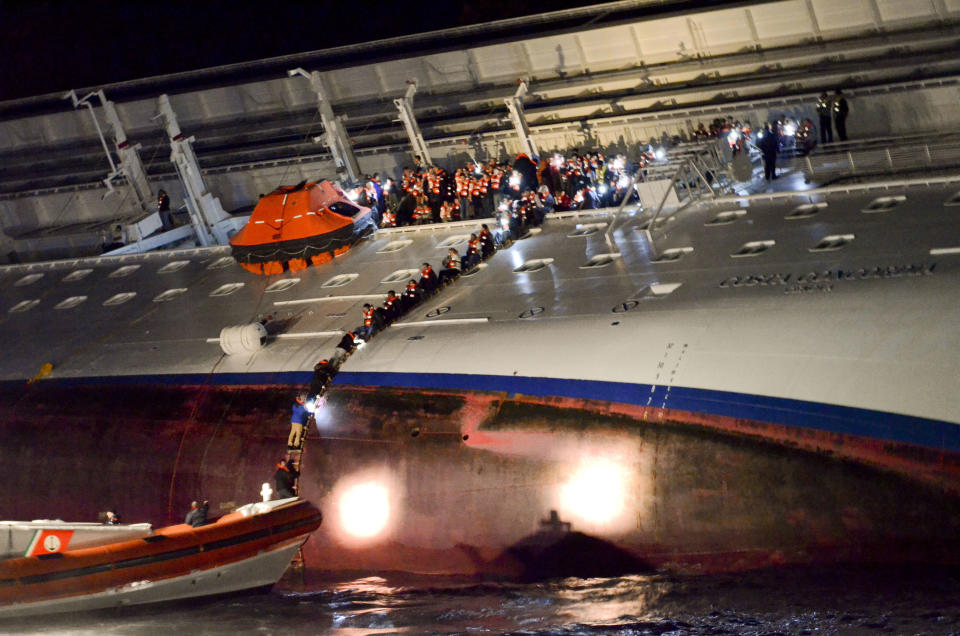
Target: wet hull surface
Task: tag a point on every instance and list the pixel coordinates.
(465, 483)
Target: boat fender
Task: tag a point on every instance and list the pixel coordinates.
(243, 339)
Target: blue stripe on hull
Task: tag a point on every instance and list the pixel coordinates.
(812, 415)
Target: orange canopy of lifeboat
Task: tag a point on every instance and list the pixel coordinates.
(294, 226)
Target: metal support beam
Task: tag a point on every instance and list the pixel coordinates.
(515, 107)
(130, 165)
(405, 106)
(335, 133)
(204, 208)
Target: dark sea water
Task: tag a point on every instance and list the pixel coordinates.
(815, 600)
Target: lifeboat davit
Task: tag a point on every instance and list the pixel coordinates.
(64, 567)
(295, 226)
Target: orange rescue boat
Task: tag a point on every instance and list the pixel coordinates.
(295, 226)
(71, 567)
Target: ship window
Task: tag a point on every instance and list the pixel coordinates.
(753, 248)
(400, 276)
(451, 241)
(173, 266)
(658, 290)
(725, 218)
(126, 270)
(938, 251)
(24, 305)
(473, 270)
(169, 295)
(282, 285)
(882, 204)
(533, 265)
(394, 246)
(77, 275)
(954, 200)
(71, 302)
(600, 260)
(832, 242)
(226, 290)
(674, 254)
(340, 280)
(344, 208)
(806, 210)
(29, 279)
(220, 263)
(118, 299)
(586, 229)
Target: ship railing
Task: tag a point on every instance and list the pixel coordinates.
(892, 158)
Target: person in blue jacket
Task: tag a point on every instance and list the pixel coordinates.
(303, 408)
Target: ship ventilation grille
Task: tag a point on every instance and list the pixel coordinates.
(223, 261)
(954, 200)
(169, 295)
(400, 276)
(451, 241)
(24, 305)
(340, 280)
(173, 266)
(832, 242)
(118, 299)
(753, 248)
(126, 270)
(600, 260)
(226, 290)
(29, 279)
(806, 210)
(533, 265)
(77, 275)
(882, 204)
(71, 302)
(674, 254)
(394, 246)
(586, 229)
(282, 285)
(726, 218)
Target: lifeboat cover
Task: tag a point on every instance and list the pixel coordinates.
(301, 221)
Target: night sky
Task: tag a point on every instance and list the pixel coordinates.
(49, 46)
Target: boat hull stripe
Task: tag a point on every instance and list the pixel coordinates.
(791, 412)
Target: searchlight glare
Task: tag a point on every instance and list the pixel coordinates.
(515, 179)
(364, 509)
(595, 496)
(660, 154)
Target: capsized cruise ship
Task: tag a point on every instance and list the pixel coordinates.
(718, 380)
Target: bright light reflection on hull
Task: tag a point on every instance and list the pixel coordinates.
(365, 506)
(599, 495)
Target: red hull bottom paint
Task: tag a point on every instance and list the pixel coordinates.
(465, 483)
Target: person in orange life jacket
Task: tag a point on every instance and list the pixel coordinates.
(322, 373)
(472, 256)
(285, 479)
(198, 514)
(367, 329)
(451, 266)
(303, 408)
(391, 306)
(343, 350)
(487, 247)
(428, 279)
(411, 296)
(113, 519)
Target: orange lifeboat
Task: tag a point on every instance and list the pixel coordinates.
(66, 567)
(295, 226)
